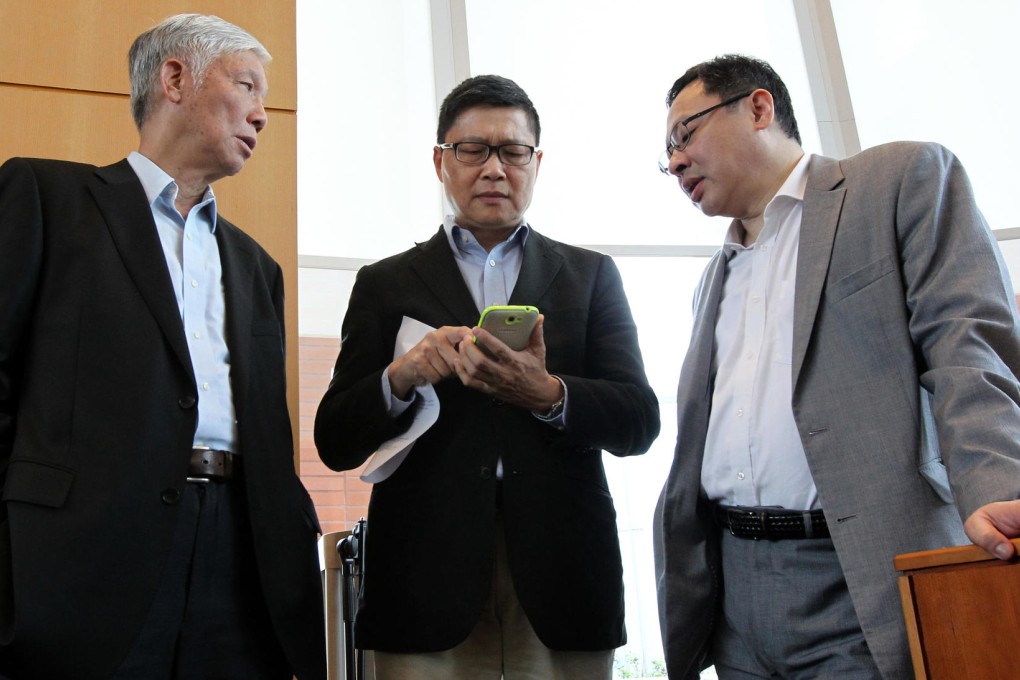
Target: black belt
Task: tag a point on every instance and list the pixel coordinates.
(210, 465)
(771, 524)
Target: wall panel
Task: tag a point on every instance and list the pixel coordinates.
(83, 44)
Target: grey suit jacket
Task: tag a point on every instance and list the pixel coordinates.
(905, 357)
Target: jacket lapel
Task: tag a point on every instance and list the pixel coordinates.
(697, 375)
(438, 271)
(539, 266)
(121, 199)
(823, 203)
(238, 263)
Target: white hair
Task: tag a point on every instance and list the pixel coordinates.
(197, 40)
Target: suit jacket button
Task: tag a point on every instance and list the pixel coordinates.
(187, 401)
(498, 402)
(485, 473)
(171, 496)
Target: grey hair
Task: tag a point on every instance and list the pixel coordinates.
(197, 40)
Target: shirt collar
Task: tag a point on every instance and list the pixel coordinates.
(796, 182)
(160, 187)
(794, 188)
(460, 238)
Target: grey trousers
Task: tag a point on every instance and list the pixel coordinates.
(787, 613)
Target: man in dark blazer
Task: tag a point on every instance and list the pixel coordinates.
(151, 524)
(866, 302)
(492, 549)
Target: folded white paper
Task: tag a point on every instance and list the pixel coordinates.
(391, 453)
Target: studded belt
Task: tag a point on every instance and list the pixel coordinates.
(771, 524)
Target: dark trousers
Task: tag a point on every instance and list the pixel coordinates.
(209, 618)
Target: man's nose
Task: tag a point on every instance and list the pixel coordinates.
(259, 118)
(678, 162)
(493, 166)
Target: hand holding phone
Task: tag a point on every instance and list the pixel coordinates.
(512, 324)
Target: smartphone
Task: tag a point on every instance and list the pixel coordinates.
(510, 323)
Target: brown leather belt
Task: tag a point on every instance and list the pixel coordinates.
(210, 465)
(771, 524)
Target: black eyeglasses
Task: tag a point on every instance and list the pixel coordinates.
(680, 135)
(476, 153)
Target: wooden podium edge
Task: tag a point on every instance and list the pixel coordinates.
(942, 557)
(910, 617)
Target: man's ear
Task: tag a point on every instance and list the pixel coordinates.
(437, 160)
(763, 108)
(172, 75)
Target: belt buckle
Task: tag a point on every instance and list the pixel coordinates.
(213, 465)
(758, 521)
(198, 480)
(749, 524)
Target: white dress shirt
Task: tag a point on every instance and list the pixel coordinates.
(753, 452)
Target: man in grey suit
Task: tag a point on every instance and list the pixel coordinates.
(849, 393)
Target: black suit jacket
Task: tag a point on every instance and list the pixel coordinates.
(431, 530)
(98, 409)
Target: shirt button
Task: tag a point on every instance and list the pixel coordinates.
(755, 299)
(198, 334)
(492, 263)
(205, 386)
(740, 475)
(749, 355)
(189, 237)
(740, 412)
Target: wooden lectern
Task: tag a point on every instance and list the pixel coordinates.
(962, 610)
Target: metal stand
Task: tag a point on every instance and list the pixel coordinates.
(352, 556)
(342, 561)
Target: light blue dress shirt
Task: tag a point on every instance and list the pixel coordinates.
(193, 260)
(490, 276)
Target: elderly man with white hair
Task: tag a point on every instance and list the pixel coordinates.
(151, 522)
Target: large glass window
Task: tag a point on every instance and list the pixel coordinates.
(366, 125)
(938, 70)
(598, 73)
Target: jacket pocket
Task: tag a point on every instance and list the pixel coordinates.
(30, 481)
(859, 279)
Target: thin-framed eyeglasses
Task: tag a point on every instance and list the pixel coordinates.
(476, 153)
(680, 135)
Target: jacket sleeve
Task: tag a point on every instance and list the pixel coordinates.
(963, 322)
(352, 420)
(611, 406)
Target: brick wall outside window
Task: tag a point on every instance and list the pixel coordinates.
(340, 498)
